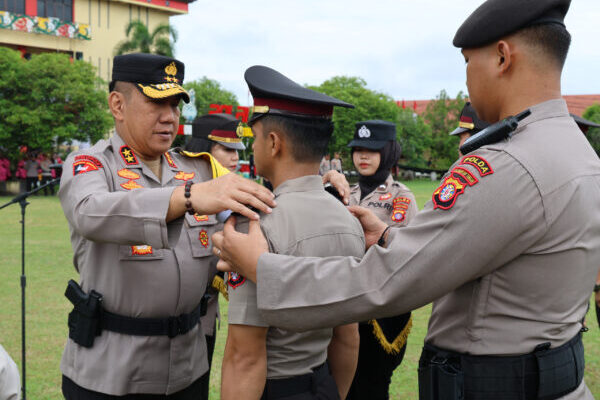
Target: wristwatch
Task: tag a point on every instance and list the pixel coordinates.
(597, 288)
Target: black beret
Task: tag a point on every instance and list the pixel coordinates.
(469, 121)
(224, 129)
(495, 19)
(276, 94)
(157, 77)
(373, 134)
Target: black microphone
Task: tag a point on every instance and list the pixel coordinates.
(493, 133)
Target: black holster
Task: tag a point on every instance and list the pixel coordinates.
(84, 320)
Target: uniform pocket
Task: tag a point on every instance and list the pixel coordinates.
(199, 231)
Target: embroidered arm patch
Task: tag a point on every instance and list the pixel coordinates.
(84, 163)
(483, 167)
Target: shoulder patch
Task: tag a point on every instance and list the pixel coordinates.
(128, 155)
(184, 176)
(483, 167)
(170, 160)
(128, 174)
(400, 206)
(84, 163)
(235, 280)
(445, 196)
(466, 176)
(129, 185)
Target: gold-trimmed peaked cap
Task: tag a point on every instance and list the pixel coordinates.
(224, 129)
(276, 94)
(469, 121)
(156, 77)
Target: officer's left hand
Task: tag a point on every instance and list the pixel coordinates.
(240, 252)
(339, 182)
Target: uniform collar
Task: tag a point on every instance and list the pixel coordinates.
(548, 109)
(302, 184)
(385, 185)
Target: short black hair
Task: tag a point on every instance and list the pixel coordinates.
(552, 39)
(308, 137)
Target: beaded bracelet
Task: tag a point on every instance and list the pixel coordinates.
(187, 193)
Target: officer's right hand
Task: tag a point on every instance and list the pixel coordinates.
(372, 226)
(231, 192)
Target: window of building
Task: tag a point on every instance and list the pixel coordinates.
(15, 6)
(61, 9)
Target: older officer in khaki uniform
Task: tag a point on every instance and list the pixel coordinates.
(141, 219)
(292, 128)
(507, 249)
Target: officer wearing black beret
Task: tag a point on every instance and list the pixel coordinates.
(141, 215)
(507, 249)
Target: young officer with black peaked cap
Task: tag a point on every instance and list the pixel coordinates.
(292, 127)
(508, 248)
(468, 125)
(375, 151)
(141, 216)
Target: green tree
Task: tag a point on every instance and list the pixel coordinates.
(209, 91)
(442, 115)
(139, 39)
(592, 113)
(415, 136)
(49, 100)
(368, 103)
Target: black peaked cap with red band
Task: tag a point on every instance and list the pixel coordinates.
(276, 94)
(469, 121)
(224, 129)
(156, 77)
(495, 19)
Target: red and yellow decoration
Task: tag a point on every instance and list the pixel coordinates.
(129, 185)
(445, 196)
(400, 206)
(170, 160)
(235, 280)
(128, 174)
(141, 250)
(385, 196)
(203, 237)
(128, 155)
(84, 163)
(483, 167)
(184, 176)
(200, 218)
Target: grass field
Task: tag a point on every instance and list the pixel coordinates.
(49, 267)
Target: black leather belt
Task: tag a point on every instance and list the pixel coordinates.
(545, 374)
(278, 388)
(170, 326)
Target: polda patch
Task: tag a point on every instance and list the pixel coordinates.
(203, 237)
(170, 160)
(141, 250)
(445, 196)
(234, 280)
(184, 176)
(130, 185)
(483, 167)
(84, 163)
(128, 174)
(128, 156)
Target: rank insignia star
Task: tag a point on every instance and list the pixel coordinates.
(128, 155)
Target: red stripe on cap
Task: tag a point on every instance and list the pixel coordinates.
(297, 107)
(224, 134)
(464, 118)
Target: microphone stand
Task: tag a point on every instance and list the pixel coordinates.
(22, 200)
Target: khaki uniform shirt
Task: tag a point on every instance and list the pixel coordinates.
(307, 221)
(508, 248)
(324, 166)
(336, 164)
(392, 202)
(144, 267)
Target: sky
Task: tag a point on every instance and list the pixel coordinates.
(399, 47)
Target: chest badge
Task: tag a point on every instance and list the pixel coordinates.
(200, 218)
(128, 174)
(203, 237)
(184, 176)
(128, 155)
(130, 185)
(141, 250)
(385, 196)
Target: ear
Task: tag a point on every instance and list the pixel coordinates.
(116, 104)
(504, 56)
(275, 143)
